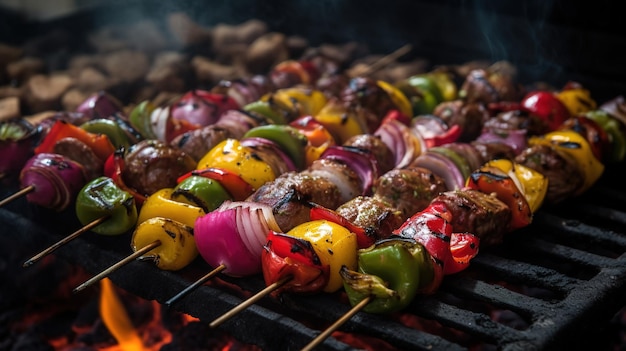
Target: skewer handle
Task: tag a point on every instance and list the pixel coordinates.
(116, 266)
(250, 301)
(65, 240)
(338, 323)
(196, 284)
(18, 194)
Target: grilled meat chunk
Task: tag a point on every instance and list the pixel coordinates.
(381, 152)
(564, 176)
(152, 165)
(409, 190)
(492, 151)
(232, 124)
(469, 116)
(478, 213)
(78, 151)
(373, 214)
(290, 193)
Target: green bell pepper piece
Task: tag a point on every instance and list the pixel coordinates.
(203, 192)
(423, 94)
(109, 128)
(391, 272)
(100, 198)
(615, 131)
(139, 118)
(290, 140)
(266, 110)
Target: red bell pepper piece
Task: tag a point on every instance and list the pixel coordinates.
(489, 179)
(547, 107)
(99, 143)
(431, 228)
(284, 256)
(114, 168)
(397, 115)
(238, 188)
(463, 247)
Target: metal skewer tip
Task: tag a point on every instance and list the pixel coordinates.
(338, 323)
(18, 194)
(196, 284)
(116, 266)
(249, 302)
(64, 241)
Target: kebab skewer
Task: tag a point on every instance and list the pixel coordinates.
(104, 105)
(533, 192)
(495, 170)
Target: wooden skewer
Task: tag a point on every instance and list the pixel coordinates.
(326, 333)
(246, 303)
(196, 284)
(65, 240)
(18, 194)
(119, 264)
(384, 61)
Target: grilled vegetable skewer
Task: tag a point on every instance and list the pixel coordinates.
(534, 187)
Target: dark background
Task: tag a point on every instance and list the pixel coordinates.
(554, 41)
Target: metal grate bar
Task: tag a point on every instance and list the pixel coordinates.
(522, 272)
(495, 294)
(475, 323)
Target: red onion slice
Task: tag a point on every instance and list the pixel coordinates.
(280, 164)
(234, 235)
(362, 162)
(516, 139)
(405, 145)
(443, 167)
(56, 178)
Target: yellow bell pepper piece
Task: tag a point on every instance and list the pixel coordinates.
(335, 246)
(178, 245)
(232, 156)
(304, 100)
(397, 96)
(531, 183)
(577, 100)
(160, 204)
(341, 122)
(575, 145)
(444, 81)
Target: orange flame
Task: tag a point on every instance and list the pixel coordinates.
(117, 320)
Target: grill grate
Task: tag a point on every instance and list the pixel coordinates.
(564, 274)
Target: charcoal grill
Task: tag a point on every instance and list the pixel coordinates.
(552, 285)
(562, 279)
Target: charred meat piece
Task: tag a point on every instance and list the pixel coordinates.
(152, 165)
(232, 124)
(364, 93)
(381, 152)
(478, 213)
(496, 83)
(516, 120)
(78, 151)
(409, 190)
(198, 142)
(290, 193)
(373, 214)
(469, 116)
(492, 151)
(564, 176)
